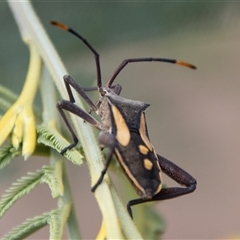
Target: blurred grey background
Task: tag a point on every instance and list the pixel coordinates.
(194, 117)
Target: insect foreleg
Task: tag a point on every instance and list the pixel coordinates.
(69, 81)
(106, 140)
(71, 107)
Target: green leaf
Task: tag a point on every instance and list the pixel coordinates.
(7, 98)
(6, 93)
(154, 227)
(53, 139)
(57, 221)
(28, 227)
(7, 153)
(53, 177)
(22, 187)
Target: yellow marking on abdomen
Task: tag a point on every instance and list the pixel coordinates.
(143, 149)
(147, 164)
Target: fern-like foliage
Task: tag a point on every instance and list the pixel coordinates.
(18, 189)
(27, 228)
(52, 175)
(22, 187)
(53, 139)
(57, 220)
(7, 153)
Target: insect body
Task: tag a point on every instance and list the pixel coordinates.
(131, 145)
(124, 132)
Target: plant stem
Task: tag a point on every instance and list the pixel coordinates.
(30, 27)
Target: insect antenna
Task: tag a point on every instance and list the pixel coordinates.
(96, 54)
(131, 60)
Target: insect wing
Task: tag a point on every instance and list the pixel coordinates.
(135, 152)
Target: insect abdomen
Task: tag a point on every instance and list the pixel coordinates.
(140, 165)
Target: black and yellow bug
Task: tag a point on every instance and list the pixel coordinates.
(124, 132)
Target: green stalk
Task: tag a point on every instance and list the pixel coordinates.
(31, 28)
(51, 118)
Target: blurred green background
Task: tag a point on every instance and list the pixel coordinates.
(194, 115)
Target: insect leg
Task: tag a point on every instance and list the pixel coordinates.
(106, 140)
(70, 82)
(73, 108)
(69, 105)
(177, 174)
